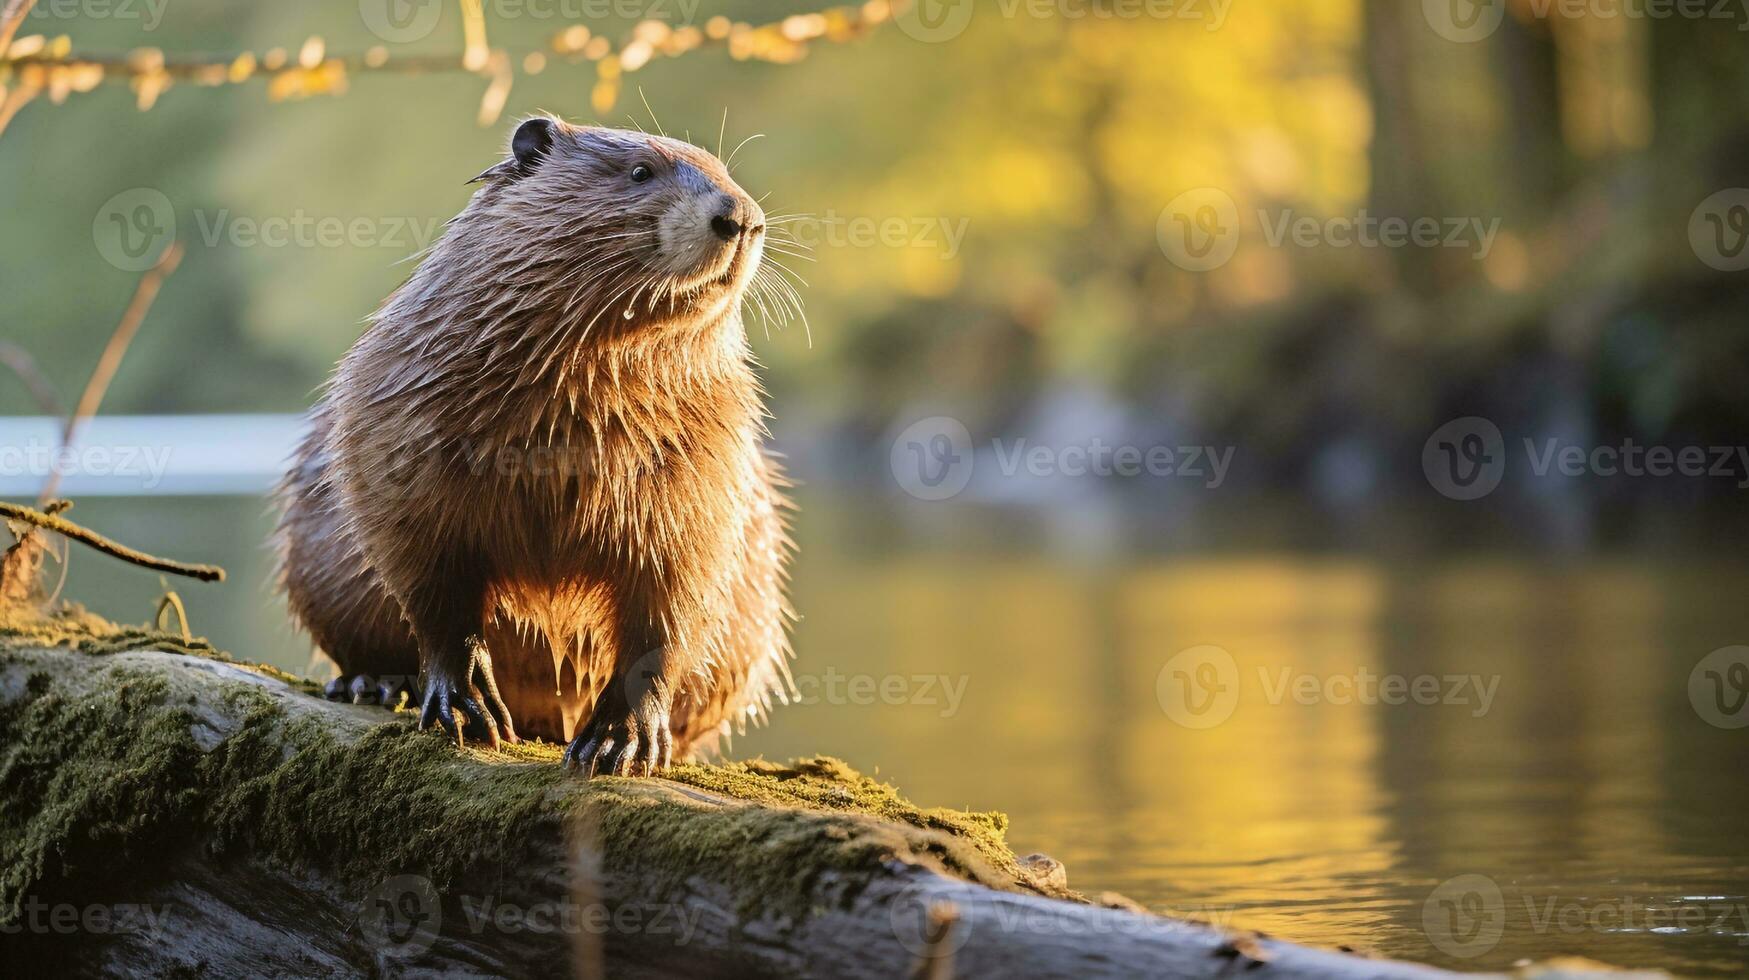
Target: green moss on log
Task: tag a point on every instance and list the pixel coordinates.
(71, 627)
(114, 758)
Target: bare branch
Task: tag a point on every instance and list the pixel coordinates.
(50, 521)
(110, 361)
(42, 391)
(12, 14)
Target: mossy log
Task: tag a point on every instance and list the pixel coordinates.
(166, 811)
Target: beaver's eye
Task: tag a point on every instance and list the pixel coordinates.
(641, 173)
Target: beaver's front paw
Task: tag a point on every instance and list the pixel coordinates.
(622, 740)
(449, 691)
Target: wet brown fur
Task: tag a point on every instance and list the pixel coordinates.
(506, 451)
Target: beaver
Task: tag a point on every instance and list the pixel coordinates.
(538, 479)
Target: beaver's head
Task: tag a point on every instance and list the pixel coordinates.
(623, 229)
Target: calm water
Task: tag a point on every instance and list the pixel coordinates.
(1566, 795)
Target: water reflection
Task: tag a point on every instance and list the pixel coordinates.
(973, 668)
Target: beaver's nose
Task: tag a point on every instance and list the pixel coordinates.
(732, 217)
(725, 227)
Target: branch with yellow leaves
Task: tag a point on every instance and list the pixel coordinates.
(38, 65)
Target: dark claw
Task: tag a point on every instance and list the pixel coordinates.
(631, 744)
(441, 705)
(494, 702)
(580, 753)
(484, 716)
(364, 690)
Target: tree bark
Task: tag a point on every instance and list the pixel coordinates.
(224, 820)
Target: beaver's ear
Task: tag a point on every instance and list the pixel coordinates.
(533, 139)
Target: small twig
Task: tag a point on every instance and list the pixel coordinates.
(110, 361)
(173, 601)
(12, 14)
(63, 558)
(935, 961)
(42, 391)
(583, 843)
(18, 98)
(91, 539)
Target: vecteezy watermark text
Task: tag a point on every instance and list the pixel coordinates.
(39, 460)
(407, 21)
(933, 459)
(921, 690)
(150, 13)
(1363, 230)
(1201, 687)
(1468, 21)
(1200, 230)
(1466, 459)
(1465, 916)
(40, 918)
(913, 917)
(131, 229)
(301, 229)
(936, 21)
(403, 917)
(834, 230)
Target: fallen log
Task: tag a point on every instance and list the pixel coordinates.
(166, 811)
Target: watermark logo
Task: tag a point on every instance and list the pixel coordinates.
(1464, 21)
(400, 21)
(928, 927)
(402, 916)
(932, 458)
(1719, 230)
(935, 21)
(1465, 458)
(1199, 229)
(1465, 916)
(1199, 688)
(1718, 688)
(133, 228)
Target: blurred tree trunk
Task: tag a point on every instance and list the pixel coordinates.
(1700, 89)
(1402, 182)
(1542, 165)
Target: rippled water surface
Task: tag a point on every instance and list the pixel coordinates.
(1561, 793)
